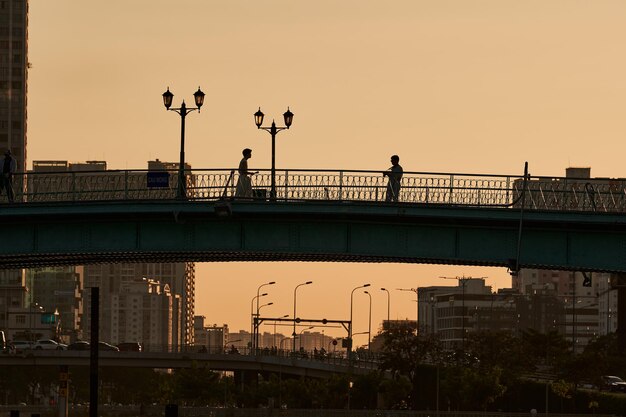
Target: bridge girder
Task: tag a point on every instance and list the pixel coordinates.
(170, 231)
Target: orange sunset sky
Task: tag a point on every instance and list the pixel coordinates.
(449, 85)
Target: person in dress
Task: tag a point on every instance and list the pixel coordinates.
(244, 183)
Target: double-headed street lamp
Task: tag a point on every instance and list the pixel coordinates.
(294, 313)
(273, 130)
(183, 110)
(351, 302)
(258, 290)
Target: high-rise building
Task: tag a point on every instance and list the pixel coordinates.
(59, 289)
(142, 311)
(13, 78)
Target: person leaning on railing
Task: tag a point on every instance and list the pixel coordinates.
(395, 175)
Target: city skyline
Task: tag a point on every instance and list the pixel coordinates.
(449, 86)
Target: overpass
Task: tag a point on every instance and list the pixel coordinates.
(284, 364)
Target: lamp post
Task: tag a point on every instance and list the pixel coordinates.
(256, 297)
(183, 110)
(273, 130)
(388, 303)
(293, 347)
(351, 303)
(256, 333)
(369, 327)
(258, 290)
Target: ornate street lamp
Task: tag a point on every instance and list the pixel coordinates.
(273, 130)
(183, 110)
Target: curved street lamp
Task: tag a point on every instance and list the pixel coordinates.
(369, 328)
(256, 328)
(351, 303)
(183, 110)
(294, 313)
(254, 342)
(273, 130)
(256, 297)
(388, 304)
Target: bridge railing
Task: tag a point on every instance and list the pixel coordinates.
(542, 193)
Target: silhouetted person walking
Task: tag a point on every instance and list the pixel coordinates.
(9, 165)
(244, 183)
(395, 175)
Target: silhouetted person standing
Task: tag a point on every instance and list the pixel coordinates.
(9, 165)
(244, 183)
(395, 175)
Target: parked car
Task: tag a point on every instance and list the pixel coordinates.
(130, 347)
(19, 346)
(613, 383)
(107, 346)
(79, 345)
(48, 344)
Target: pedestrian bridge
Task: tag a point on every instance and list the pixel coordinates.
(68, 218)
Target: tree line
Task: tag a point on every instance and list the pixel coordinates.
(492, 371)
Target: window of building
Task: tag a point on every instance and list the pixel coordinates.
(20, 319)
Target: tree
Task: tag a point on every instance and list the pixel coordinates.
(413, 356)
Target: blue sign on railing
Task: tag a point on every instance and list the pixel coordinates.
(158, 179)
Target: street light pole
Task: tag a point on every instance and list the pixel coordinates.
(256, 327)
(256, 297)
(183, 111)
(273, 130)
(388, 303)
(258, 290)
(369, 328)
(293, 347)
(351, 303)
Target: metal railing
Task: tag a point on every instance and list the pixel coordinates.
(473, 190)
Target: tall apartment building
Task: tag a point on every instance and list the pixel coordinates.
(142, 311)
(13, 89)
(13, 78)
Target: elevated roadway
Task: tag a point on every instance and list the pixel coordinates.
(297, 366)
